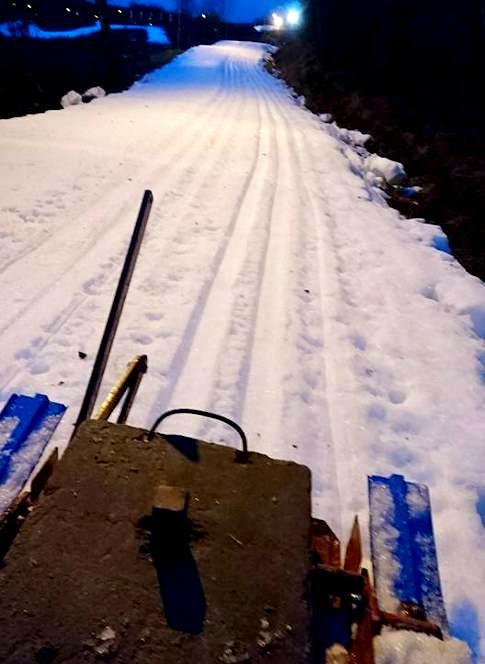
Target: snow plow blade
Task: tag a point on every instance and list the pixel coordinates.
(26, 426)
(404, 558)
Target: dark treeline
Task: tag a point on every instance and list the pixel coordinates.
(401, 38)
(410, 74)
(184, 28)
(35, 73)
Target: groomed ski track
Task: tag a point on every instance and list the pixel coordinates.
(274, 286)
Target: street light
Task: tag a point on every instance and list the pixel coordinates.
(278, 21)
(293, 17)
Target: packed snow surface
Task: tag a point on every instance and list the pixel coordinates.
(274, 286)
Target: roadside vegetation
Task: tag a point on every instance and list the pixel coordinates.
(435, 128)
(35, 74)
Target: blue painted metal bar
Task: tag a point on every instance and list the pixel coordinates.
(20, 418)
(403, 545)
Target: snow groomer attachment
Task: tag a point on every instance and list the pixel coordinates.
(404, 555)
(148, 548)
(347, 613)
(26, 426)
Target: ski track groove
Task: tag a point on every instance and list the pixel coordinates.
(306, 414)
(178, 364)
(239, 338)
(329, 455)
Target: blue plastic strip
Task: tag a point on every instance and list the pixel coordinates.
(414, 548)
(31, 413)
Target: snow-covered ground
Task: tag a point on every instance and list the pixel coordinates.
(274, 286)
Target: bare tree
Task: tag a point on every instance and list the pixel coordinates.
(103, 12)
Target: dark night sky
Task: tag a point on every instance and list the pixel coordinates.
(236, 10)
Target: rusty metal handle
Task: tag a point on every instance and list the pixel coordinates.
(241, 456)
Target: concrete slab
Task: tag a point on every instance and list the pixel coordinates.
(85, 580)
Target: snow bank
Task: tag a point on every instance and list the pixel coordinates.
(401, 647)
(352, 137)
(73, 98)
(378, 171)
(96, 92)
(34, 32)
(155, 34)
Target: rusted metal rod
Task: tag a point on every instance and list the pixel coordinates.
(128, 384)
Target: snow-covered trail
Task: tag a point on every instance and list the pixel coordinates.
(274, 286)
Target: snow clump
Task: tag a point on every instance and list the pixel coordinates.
(72, 98)
(94, 93)
(384, 170)
(403, 647)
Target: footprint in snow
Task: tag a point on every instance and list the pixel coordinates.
(91, 286)
(153, 315)
(144, 339)
(24, 354)
(376, 412)
(396, 396)
(400, 456)
(359, 342)
(39, 367)
(429, 292)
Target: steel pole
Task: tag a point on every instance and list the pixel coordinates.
(179, 24)
(116, 310)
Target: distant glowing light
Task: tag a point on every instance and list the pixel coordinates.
(120, 11)
(278, 20)
(68, 10)
(29, 6)
(204, 15)
(293, 17)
